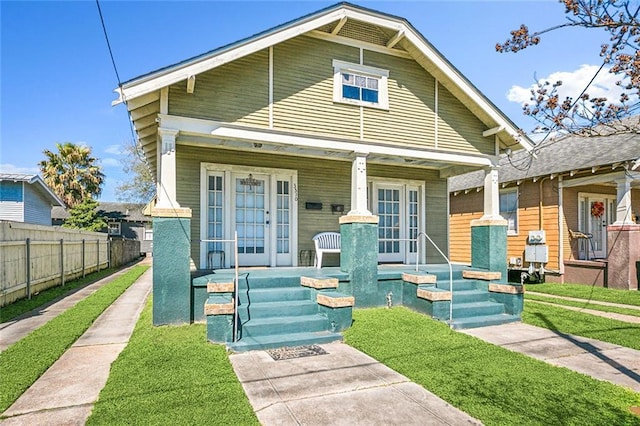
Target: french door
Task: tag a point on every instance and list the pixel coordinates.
(398, 207)
(596, 213)
(250, 217)
(259, 204)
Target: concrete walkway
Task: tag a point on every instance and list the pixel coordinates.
(18, 328)
(593, 302)
(343, 387)
(603, 361)
(65, 393)
(610, 315)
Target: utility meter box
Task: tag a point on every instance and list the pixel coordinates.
(536, 253)
(537, 237)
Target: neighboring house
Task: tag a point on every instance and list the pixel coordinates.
(578, 190)
(26, 198)
(124, 220)
(346, 120)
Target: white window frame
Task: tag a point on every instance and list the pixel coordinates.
(117, 230)
(502, 192)
(148, 234)
(382, 75)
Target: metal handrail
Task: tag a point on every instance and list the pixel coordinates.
(448, 263)
(417, 241)
(235, 281)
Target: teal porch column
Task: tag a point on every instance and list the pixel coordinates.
(171, 272)
(359, 258)
(489, 233)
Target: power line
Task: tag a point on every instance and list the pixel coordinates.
(115, 69)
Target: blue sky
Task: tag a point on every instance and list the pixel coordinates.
(57, 79)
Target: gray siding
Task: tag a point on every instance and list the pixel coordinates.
(37, 209)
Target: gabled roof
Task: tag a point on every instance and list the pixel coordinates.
(37, 183)
(563, 155)
(122, 212)
(141, 94)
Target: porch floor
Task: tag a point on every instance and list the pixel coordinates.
(385, 271)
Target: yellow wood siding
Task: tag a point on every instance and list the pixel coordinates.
(468, 207)
(458, 128)
(237, 92)
(303, 89)
(324, 181)
(463, 209)
(410, 118)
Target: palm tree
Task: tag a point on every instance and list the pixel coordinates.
(72, 173)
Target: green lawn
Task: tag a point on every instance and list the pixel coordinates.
(24, 362)
(585, 304)
(19, 307)
(582, 324)
(172, 375)
(495, 385)
(627, 297)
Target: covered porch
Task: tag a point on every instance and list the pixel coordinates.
(604, 236)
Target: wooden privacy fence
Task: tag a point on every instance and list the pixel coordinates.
(35, 257)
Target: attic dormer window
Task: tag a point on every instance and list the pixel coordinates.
(360, 85)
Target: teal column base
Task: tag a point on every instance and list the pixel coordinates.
(509, 295)
(359, 258)
(171, 274)
(489, 245)
(220, 328)
(339, 318)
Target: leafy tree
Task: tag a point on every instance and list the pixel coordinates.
(85, 216)
(585, 114)
(140, 188)
(72, 173)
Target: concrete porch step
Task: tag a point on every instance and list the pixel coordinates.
(284, 325)
(276, 294)
(274, 309)
(458, 285)
(255, 283)
(483, 321)
(470, 296)
(476, 309)
(282, 340)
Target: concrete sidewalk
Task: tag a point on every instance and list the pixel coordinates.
(18, 328)
(343, 387)
(65, 393)
(603, 361)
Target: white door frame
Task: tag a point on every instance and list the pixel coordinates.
(584, 201)
(404, 186)
(228, 172)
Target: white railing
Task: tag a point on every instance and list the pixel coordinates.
(417, 241)
(235, 281)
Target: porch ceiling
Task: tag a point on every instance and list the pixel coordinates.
(211, 134)
(309, 152)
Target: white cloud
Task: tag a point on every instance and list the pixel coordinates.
(111, 162)
(11, 168)
(113, 149)
(573, 82)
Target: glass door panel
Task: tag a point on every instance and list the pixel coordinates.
(388, 207)
(251, 216)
